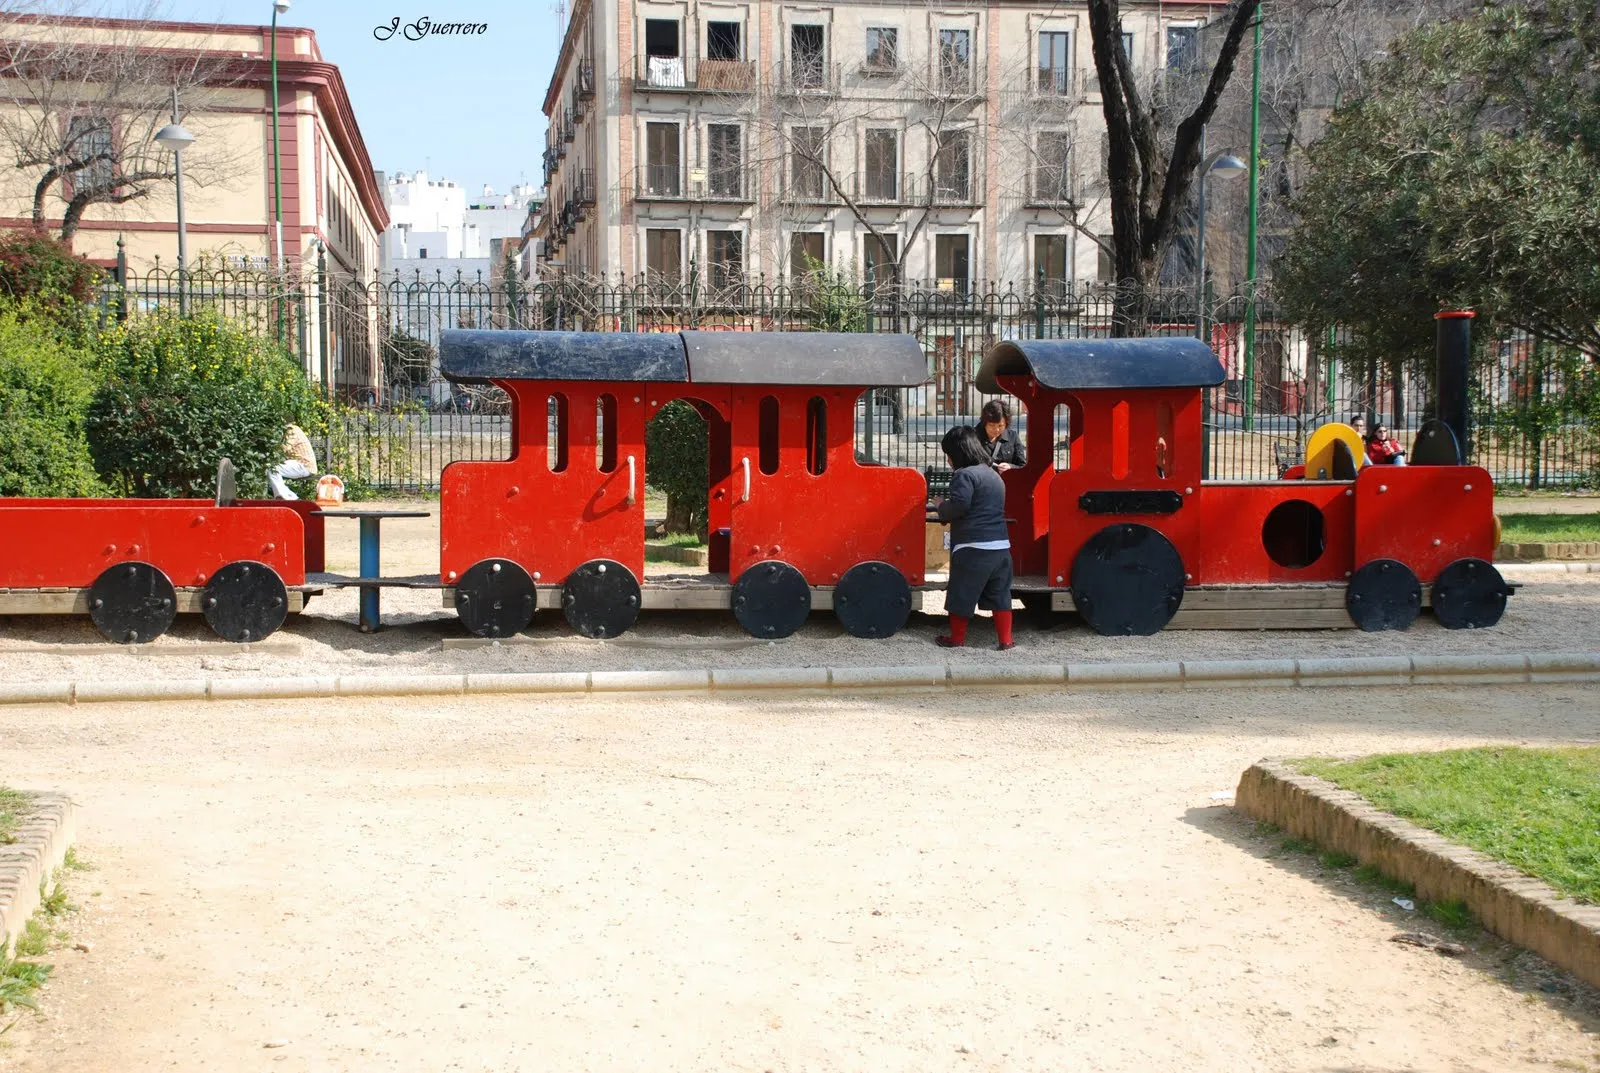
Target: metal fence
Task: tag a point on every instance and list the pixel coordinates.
(375, 345)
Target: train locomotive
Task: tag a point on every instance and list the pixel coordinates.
(1114, 524)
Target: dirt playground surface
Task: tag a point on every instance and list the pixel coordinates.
(1553, 613)
(915, 882)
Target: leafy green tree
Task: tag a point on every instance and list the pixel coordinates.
(1467, 173)
(178, 394)
(677, 461)
(41, 269)
(45, 389)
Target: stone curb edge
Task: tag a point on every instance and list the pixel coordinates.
(1512, 570)
(40, 848)
(1540, 550)
(1514, 906)
(1532, 669)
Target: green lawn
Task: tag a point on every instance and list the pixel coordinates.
(1535, 809)
(13, 806)
(1549, 528)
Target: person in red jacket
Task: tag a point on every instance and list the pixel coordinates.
(1384, 450)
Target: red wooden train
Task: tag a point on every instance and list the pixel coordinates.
(1119, 527)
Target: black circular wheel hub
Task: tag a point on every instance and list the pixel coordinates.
(1127, 580)
(1383, 595)
(245, 601)
(1469, 594)
(873, 599)
(771, 600)
(132, 602)
(601, 599)
(494, 598)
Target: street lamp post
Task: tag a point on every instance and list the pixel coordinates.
(176, 138)
(1250, 251)
(279, 7)
(1224, 165)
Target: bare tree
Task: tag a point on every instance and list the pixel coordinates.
(892, 151)
(1149, 174)
(79, 111)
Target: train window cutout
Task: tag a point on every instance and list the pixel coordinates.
(1110, 519)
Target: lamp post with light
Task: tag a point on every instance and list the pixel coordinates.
(279, 7)
(174, 137)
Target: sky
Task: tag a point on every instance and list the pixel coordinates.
(464, 107)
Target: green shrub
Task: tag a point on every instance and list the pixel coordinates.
(178, 394)
(45, 389)
(676, 460)
(38, 267)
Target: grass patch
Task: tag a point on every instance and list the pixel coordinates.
(679, 540)
(1549, 528)
(1534, 809)
(1369, 875)
(1334, 859)
(13, 806)
(19, 979)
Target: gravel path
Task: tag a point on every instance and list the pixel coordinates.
(921, 882)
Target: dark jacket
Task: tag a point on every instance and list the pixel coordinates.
(976, 509)
(1008, 448)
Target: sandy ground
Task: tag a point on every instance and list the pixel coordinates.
(1553, 613)
(920, 882)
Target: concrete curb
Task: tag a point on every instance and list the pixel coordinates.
(1539, 550)
(1514, 906)
(1516, 570)
(27, 864)
(673, 553)
(1489, 669)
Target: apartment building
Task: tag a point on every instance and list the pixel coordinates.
(720, 141)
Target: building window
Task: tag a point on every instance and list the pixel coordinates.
(953, 167)
(1107, 271)
(883, 48)
(663, 256)
(805, 253)
(722, 41)
(1050, 264)
(663, 176)
(725, 258)
(881, 153)
(1127, 49)
(1052, 167)
(1055, 63)
(89, 140)
(725, 160)
(807, 56)
(950, 258)
(955, 60)
(1183, 47)
(880, 256)
(422, 254)
(663, 53)
(807, 177)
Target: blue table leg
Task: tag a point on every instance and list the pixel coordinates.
(369, 569)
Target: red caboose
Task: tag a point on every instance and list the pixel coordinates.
(797, 523)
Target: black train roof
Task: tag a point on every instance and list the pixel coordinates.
(1089, 364)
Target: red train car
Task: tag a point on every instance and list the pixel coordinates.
(797, 523)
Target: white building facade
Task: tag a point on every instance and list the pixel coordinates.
(724, 140)
(433, 227)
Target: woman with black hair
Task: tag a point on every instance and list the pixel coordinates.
(999, 438)
(980, 547)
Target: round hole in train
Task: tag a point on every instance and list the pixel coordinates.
(1293, 534)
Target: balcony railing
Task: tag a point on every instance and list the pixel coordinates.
(586, 80)
(955, 81)
(569, 127)
(583, 189)
(690, 74)
(808, 76)
(658, 182)
(1049, 186)
(889, 188)
(724, 184)
(1070, 84)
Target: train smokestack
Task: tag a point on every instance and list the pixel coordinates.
(1454, 366)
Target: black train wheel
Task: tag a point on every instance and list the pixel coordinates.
(1383, 595)
(131, 603)
(873, 599)
(494, 598)
(1469, 594)
(245, 601)
(771, 600)
(1127, 580)
(601, 599)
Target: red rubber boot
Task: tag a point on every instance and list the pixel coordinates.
(957, 635)
(1002, 627)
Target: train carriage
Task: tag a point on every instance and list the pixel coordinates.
(797, 523)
